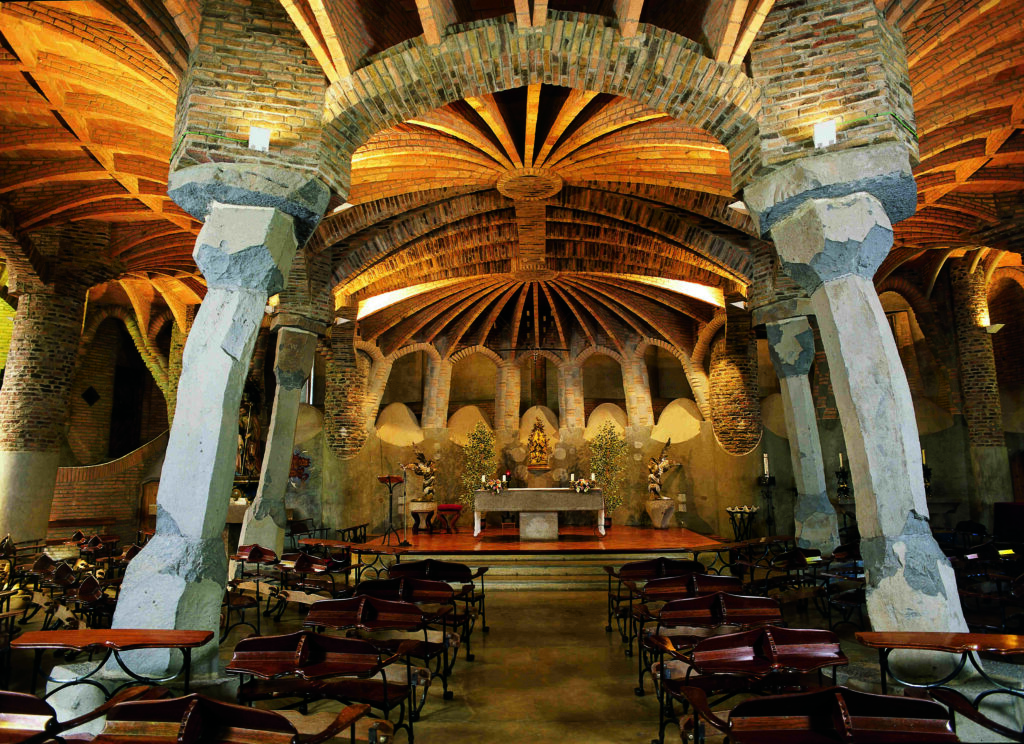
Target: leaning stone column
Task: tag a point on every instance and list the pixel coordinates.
(990, 462)
(570, 395)
(833, 246)
(791, 346)
(34, 404)
(178, 580)
(436, 393)
(265, 520)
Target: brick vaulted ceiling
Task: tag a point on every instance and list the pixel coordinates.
(525, 218)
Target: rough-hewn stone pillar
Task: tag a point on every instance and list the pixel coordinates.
(570, 396)
(178, 580)
(345, 425)
(832, 247)
(34, 404)
(265, 520)
(990, 463)
(637, 386)
(735, 404)
(436, 391)
(506, 398)
(791, 346)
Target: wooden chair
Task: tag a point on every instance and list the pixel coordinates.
(27, 719)
(309, 573)
(90, 601)
(826, 716)
(298, 528)
(639, 573)
(451, 573)
(957, 703)
(354, 534)
(309, 666)
(391, 625)
(196, 719)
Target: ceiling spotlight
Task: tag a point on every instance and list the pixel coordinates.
(739, 206)
(740, 304)
(259, 139)
(825, 133)
(341, 321)
(342, 207)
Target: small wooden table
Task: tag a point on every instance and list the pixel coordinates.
(114, 642)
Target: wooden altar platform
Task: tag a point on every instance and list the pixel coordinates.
(582, 540)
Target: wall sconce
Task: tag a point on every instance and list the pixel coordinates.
(739, 206)
(272, 304)
(259, 139)
(993, 328)
(825, 133)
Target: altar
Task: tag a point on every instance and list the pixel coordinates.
(538, 508)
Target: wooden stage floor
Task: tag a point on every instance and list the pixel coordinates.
(618, 539)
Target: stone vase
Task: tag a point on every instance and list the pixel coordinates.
(661, 512)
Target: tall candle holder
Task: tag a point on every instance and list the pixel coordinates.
(767, 483)
(927, 480)
(844, 497)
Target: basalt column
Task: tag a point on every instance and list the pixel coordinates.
(990, 463)
(265, 520)
(34, 404)
(829, 207)
(791, 345)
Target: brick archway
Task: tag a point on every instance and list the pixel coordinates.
(668, 73)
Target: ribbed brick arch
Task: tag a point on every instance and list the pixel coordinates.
(704, 339)
(656, 68)
(471, 350)
(154, 362)
(592, 350)
(555, 359)
(1007, 273)
(697, 382)
(429, 349)
(371, 350)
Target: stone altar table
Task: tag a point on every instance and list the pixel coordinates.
(538, 508)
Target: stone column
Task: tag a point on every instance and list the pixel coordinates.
(639, 410)
(507, 398)
(990, 462)
(832, 247)
(178, 579)
(34, 404)
(436, 391)
(570, 393)
(791, 345)
(265, 520)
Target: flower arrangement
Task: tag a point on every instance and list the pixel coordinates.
(494, 485)
(582, 485)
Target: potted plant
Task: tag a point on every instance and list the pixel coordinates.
(607, 461)
(478, 462)
(659, 508)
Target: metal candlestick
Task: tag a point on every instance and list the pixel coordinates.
(767, 483)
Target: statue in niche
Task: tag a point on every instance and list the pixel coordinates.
(656, 468)
(425, 469)
(538, 447)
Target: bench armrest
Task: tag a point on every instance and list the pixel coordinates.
(956, 702)
(139, 692)
(696, 698)
(347, 718)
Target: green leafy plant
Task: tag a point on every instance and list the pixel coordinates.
(478, 460)
(607, 461)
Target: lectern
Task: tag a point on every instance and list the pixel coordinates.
(391, 481)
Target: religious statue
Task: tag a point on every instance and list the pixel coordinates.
(656, 468)
(425, 469)
(538, 447)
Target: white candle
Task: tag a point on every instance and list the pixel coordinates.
(504, 478)
(923, 462)
(572, 476)
(840, 460)
(483, 478)
(766, 464)
(593, 477)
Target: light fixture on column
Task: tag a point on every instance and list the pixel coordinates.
(259, 139)
(272, 303)
(825, 133)
(993, 327)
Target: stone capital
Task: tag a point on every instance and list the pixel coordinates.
(198, 188)
(791, 346)
(825, 239)
(294, 358)
(245, 248)
(881, 170)
(297, 321)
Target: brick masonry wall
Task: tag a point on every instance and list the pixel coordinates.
(735, 404)
(978, 383)
(1006, 305)
(251, 67)
(111, 491)
(830, 59)
(6, 331)
(821, 381)
(89, 425)
(347, 372)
